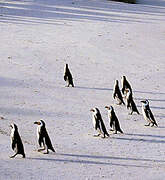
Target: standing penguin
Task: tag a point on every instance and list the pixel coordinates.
(68, 76)
(43, 137)
(113, 120)
(130, 102)
(16, 141)
(117, 94)
(98, 122)
(147, 114)
(125, 85)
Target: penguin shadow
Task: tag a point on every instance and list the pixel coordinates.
(89, 88)
(146, 135)
(152, 107)
(150, 92)
(156, 100)
(84, 159)
(141, 139)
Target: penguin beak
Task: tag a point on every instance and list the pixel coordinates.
(38, 123)
(92, 110)
(106, 107)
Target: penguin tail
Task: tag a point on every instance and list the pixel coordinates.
(119, 130)
(107, 134)
(156, 124)
(53, 149)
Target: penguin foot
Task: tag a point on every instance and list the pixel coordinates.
(103, 137)
(13, 155)
(111, 130)
(96, 135)
(46, 152)
(39, 150)
(147, 124)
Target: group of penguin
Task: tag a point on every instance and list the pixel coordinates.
(125, 93)
(42, 136)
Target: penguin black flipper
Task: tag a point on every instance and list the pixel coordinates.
(103, 128)
(151, 117)
(65, 77)
(14, 142)
(134, 107)
(117, 125)
(97, 125)
(48, 142)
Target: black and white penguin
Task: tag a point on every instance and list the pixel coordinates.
(68, 76)
(16, 141)
(125, 85)
(98, 122)
(117, 93)
(147, 114)
(113, 120)
(130, 104)
(43, 137)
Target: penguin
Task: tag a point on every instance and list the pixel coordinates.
(98, 123)
(125, 85)
(68, 76)
(147, 114)
(16, 142)
(130, 104)
(113, 120)
(43, 137)
(117, 93)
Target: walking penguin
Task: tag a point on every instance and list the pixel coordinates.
(98, 123)
(68, 76)
(147, 114)
(117, 93)
(125, 85)
(113, 120)
(43, 137)
(16, 141)
(130, 104)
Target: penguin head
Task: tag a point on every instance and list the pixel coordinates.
(109, 108)
(128, 92)
(123, 77)
(95, 110)
(145, 102)
(116, 82)
(66, 66)
(40, 123)
(13, 126)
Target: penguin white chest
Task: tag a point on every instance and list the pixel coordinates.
(109, 115)
(38, 131)
(143, 112)
(12, 134)
(94, 120)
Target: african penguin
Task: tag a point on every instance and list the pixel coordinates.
(68, 76)
(113, 120)
(16, 141)
(117, 93)
(147, 113)
(130, 104)
(125, 85)
(98, 122)
(43, 137)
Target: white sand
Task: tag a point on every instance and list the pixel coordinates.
(101, 41)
